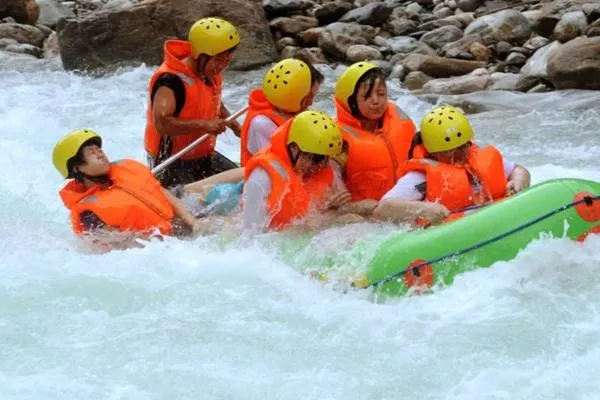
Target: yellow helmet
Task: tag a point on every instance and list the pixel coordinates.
(316, 133)
(347, 82)
(68, 147)
(212, 36)
(445, 128)
(287, 83)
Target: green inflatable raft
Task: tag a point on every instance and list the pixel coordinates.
(420, 259)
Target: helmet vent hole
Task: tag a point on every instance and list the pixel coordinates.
(207, 27)
(219, 26)
(458, 134)
(285, 82)
(330, 145)
(431, 120)
(450, 118)
(288, 72)
(275, 86)
(281, 67)
(360, 65)
(277, 76)
(439, 121)
(315, 122)
(269, 81)
(230, 37)
(447, 139)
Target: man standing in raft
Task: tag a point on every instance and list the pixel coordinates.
(449, 173)
(121, 196)
(288, 88)
(292, 178)
(185, 102)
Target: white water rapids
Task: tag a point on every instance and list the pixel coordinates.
(230, 319)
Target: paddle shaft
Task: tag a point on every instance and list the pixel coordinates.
(195, 143)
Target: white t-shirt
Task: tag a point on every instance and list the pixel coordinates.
(256, 191)
(259, 133)
(406, 187)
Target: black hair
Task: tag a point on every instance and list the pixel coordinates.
(315, 75)
(78, 160)
(369, 78)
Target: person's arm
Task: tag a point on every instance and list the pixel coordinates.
(163, 109)
(404, 202)
(519, 179)
(234, 125)
(256, 191)
(408, 211)
(260, 131)
(230, 176)
(180, 209)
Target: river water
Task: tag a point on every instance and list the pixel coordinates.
(231, 318)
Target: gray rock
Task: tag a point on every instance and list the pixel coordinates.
(108, 39)
(539, 88)
(289, 52)
(284, 42)
(452, 50)
(507, 25)
(443, 13)
(415, 80)
(536, 42)
(276, 8)
(537, 65)
(516, 59)
(439, 67)
(570, 26)
(360, 52)
(51, 47)
(332, 11)
(6, 41)
(400, 27)
(398, 72)
(314, 55)
(337, 37)
(503, 49)
(294, 25)
(22, 33)
(458, 85)
(310, 37)
(469, 5)
(414, 8)
(372, 14)
(515, 82)
(442, 36)
(24, 48)
(576, 64)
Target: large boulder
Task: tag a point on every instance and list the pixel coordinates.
(508, 25)
(335, 39)
(23, 33)
(22, 11)
(107, 39)
(576, 64)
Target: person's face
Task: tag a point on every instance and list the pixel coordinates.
(218, 63)
(310, 97)
(96, 163)
(308, 163)
(374, 106)
(460, 155)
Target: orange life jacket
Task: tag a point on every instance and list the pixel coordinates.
(201, 102)
(291, 197)
(450, 185)
(374, 158)
(259, 105)
(134, 202)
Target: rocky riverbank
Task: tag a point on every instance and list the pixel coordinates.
(431, 46)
